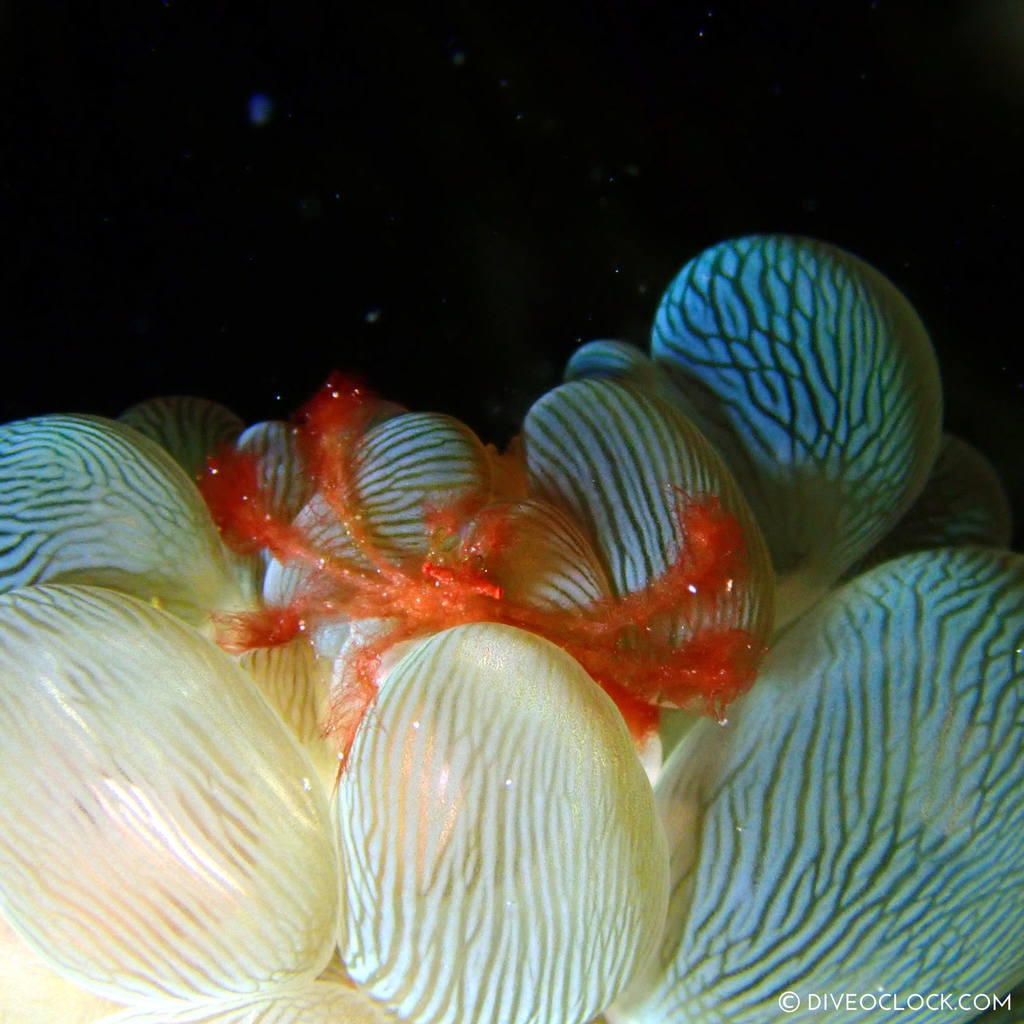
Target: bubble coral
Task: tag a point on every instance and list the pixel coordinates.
(358, 733)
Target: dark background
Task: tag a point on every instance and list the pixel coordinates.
(448, 198)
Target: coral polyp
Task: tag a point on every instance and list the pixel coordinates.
(476, 555)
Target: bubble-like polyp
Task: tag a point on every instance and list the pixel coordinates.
(415, 526)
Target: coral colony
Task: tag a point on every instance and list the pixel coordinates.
(700, 702)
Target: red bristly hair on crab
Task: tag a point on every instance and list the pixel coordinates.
(627, 644)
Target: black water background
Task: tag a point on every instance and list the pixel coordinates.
(449, 198)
